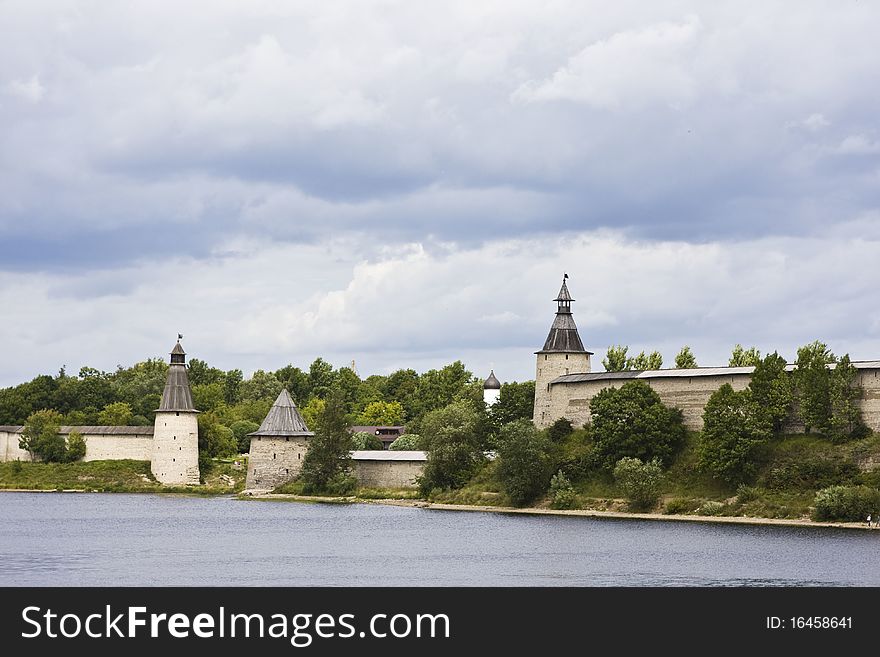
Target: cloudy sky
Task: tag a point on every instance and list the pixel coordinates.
(404, 183)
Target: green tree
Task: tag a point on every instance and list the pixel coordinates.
(328, 459)
(771, 390)
(200, 373)
(232, 386)
(813, 384)
(365, 440)
(450, 436)
(208, 396)
(408, 441)
(844, 397)
(439, 388)
(734, 427)
(615, 359)
(321, 378)
(744, 357)
(312, 412)
(652, 361)
(685, 359)
(524, 462)
(262, 385)
(560, 430)
(41, 436)
(76, 447)
(639, 481)
(117, 414)
(632, 421)
(562, 493)
(240, 430)
(382, 414)
(516, 401)
(402, 386)
(296, 381)
(215, 439)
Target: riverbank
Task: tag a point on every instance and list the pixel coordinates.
(584, 513)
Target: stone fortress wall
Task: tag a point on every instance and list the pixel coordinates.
(102, 443)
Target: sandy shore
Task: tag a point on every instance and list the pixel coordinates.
(584, 513)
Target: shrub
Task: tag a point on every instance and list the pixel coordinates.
(341, 484)
(639, 481)
(451, 439)
(711, 508)
(524, 463)
(812, 474)
(560, 430)
(562, 495)
(17, 466)
(681, 506)
(631, 421)
(76, 447)
(365, 440)
(847, 503)
(406, 442)
(240, 431)
(746, 494)
(41, 438)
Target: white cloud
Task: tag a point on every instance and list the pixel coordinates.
(815, 122)
(30, 90)
(633, 67)
(858, 145)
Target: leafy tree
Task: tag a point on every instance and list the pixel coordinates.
(453, 445)
(524, 462)
(744, 357)
(408, 441)
(560, 430)
(41, 436)
(321, 377)
(261, 386)
(312, 411)
(844, 395)
(296, 381)
(328, 458)
(771, 389)
(439, 388)
(200, 373)
(215, 439)
(383, 414)
(632, 421)
(846, 503)
(365, 440)
(652, 361)
(685, 359)
(208, 396)
(350, 384)
(140, 385)
(232, 386)
(76, 447)
(639, 481)
(516, 401)
(615, 359)
(733, 429)
(562, 493)
(240, 430)
(813, 382)
(117, 414)
(402, 386)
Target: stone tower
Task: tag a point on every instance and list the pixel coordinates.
(563, 353)
(491, 389)
(278, 446)
(176, 433)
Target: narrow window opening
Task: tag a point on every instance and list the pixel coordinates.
(177, 413)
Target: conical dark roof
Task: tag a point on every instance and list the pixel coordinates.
(178, 350)
(283, 419)
(492, 383)
(563, 293)
(177, 395)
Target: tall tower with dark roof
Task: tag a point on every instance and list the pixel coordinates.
(563, 353)
(176, 433)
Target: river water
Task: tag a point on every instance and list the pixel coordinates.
(142, 540)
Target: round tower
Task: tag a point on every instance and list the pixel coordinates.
(563, 354)
(176, 432)
(491, 389)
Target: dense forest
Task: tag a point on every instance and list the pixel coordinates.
(232, 406)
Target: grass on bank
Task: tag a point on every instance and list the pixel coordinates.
(123, 476)
(361, 493)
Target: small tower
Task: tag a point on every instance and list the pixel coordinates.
(176, 434)
(563, 353)
(278, 447)
(491, 389)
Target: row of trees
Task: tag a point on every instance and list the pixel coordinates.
(616, 359)
(737, 423)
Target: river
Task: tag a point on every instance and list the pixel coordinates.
(142, 540)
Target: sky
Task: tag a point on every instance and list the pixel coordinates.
(403, 184)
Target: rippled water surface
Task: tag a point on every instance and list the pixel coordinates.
(115, 540)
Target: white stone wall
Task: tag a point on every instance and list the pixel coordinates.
(388, 474)
(549, 367)
(175, 453)
(99, 446)
(274, 461)
(690, 394)
(491, 396)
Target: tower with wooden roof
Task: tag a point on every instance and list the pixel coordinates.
(176, 431)
(563, 353)
(278, 447)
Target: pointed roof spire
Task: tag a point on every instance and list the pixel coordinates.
(492, 383)
(177, 395)
(283, 419)
(563, 336)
